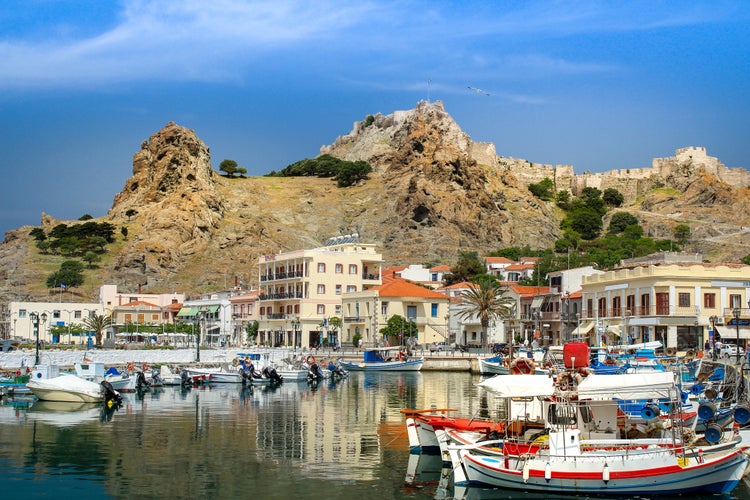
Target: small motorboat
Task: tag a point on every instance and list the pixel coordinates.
(67, 387)
(380, 359)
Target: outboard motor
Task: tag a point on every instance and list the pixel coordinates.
(184, 378)
(336, 370)
(140, 381)
(156, 377)
(111, 396)
(315, 373)
(272, 374)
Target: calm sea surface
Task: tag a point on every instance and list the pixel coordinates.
(335, 441)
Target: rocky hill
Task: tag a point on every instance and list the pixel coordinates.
(433, 193)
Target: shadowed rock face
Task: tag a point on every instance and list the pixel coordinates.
(433, 192)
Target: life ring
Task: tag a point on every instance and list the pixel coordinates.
(131, 367)
(671, 351)
(522, 366)
(235, 362)
(310, 360)
(18, 373)
(145, 367)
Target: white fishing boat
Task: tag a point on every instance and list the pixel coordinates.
(381, 359)
(67, 387)
(584, 451)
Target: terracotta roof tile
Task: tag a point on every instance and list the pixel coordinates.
(398, 287)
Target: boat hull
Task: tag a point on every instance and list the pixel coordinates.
(634, 474)
(411, 365)
(215, 376)
(67, 388)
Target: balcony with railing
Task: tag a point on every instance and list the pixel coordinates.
(282, 275)
(281, 295)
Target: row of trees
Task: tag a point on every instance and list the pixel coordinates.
(76, 239)
(346, 173)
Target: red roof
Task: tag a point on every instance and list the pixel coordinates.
(498, 260)
(519, 267)
(398, 287)
(529, 290)
(441, 267)
(139, 303)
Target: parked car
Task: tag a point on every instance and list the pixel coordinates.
(442, 347)
(730, 351)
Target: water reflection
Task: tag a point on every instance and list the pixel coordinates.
(341, 441)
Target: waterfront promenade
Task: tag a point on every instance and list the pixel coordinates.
(9, 361)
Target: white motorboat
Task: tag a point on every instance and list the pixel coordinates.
(95, 372)
(220, 375)
(67, 388)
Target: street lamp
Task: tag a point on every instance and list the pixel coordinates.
(201, 316)
(295, 327)
(35, 317)
(736, 313)
(712, 336)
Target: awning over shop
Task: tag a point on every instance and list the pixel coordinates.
(536, 303)
(211, 309)
(187, 311)
(584, 329)
(613, 330)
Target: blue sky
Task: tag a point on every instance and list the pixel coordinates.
(596, 85)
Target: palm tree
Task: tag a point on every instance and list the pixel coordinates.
(98, 323)
(488, 301)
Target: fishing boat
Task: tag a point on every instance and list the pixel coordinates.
(586, 452)
(220, 375)
(499, 365)
(381, 359)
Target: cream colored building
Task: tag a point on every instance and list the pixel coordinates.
(301, 290)
(366, 313)
(24, 318)
(675, 303)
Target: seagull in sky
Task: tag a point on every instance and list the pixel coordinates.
(478, 91)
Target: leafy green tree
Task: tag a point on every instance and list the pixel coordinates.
(85, 217)
(562, 199)
(131, 212)
(469, 265)
(544, 189)
(124, 232)
(488, 301)
(229, 167)
(587, 222)
(399, 329)
(613, 197)
(352, 172)
(38, 234)
(97, 323)
(621, 220)
(251, 331)
(241, 171)
(746, 259)
(70, 274)
(44, 246)
(91, 258)
(682, 233)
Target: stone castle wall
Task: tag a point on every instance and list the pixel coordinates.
(631, 182)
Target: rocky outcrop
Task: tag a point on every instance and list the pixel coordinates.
(172, 195)
(433, 193)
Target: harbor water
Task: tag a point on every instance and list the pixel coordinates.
(342, 440)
